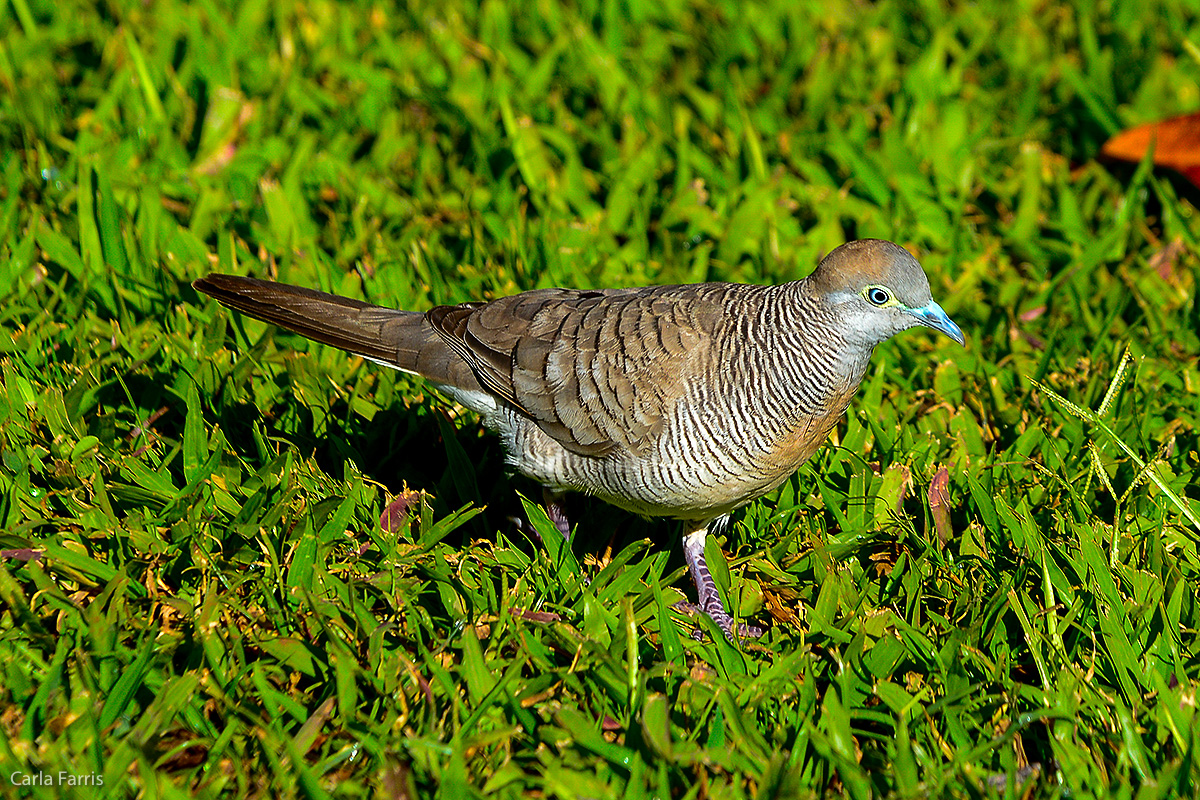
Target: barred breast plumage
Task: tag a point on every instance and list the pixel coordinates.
(679, 401)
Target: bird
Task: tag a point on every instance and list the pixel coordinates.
(685, 401)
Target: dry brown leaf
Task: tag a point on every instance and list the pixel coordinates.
(939, 505)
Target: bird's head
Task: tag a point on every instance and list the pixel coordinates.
(877, 290)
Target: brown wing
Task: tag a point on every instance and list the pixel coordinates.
(597, 370)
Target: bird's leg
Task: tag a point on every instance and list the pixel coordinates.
(556, 509)
(706, 588)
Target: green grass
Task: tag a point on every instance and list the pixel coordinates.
(197, 597)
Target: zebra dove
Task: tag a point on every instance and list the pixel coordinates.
(673, 401)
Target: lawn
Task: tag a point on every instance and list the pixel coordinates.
(985, 585)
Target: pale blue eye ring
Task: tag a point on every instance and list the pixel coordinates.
(878, 296)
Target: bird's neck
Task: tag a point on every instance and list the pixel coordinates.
(802, 352)
(787, 366)
(820, 326)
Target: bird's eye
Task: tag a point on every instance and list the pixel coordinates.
(878, 296)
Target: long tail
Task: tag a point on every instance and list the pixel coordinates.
(400, 339)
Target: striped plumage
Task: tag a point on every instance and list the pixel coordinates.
(678, 401)
(722, 414)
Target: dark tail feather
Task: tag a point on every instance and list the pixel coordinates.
(402, 339)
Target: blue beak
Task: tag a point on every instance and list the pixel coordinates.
(934, 316)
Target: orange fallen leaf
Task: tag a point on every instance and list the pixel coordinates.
(1176, 143)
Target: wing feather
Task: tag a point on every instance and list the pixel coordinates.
(596, 370)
